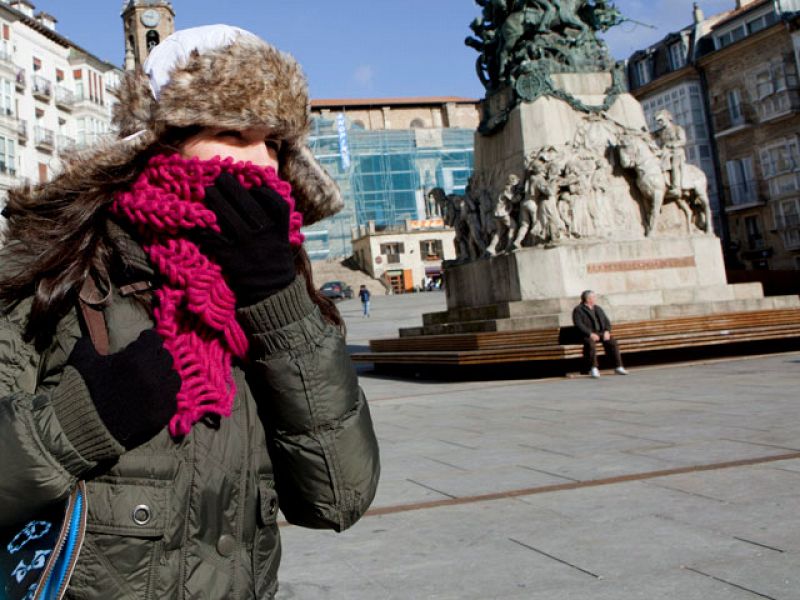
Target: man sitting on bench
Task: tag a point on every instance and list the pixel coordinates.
(595, 327)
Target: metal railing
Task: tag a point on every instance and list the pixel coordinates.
(779, 103)
(6, 57)
(43, 137)
(64, 143)
(734, 116)
(22, 130)
(788, 226)
(42, 88)
(7, 169)
(21, 80)
(64, 98)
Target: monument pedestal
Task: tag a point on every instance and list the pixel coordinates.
(660, 293)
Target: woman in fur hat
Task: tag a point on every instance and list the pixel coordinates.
(227, 390)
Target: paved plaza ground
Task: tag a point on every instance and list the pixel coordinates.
(678, 482)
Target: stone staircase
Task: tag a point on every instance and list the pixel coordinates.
(338, 270)
(621, 308)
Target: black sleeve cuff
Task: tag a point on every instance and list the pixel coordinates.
(289, 305)
(79, 419)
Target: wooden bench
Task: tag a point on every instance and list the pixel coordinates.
(565, 343)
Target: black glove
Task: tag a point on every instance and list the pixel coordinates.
(253, 247)
(134, 391)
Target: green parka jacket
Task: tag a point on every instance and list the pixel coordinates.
(194, 518)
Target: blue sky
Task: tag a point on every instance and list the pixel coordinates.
(361, 48)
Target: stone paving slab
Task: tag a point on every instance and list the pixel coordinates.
(719, 534)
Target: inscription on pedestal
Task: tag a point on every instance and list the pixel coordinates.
(651, 264)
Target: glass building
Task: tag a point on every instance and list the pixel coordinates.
(383, 174)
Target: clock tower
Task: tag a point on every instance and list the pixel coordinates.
(146, 23)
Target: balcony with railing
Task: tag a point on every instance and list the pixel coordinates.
(743, 195)
(779, 104)
(734, 117)
(22, 131)
(64, 143)
(6, 59)
(65, 98)
(42, 88)
(21, 80)
(9, 170)
(44, 138)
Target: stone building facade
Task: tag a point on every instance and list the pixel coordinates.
(54, 95)
(751, 67)
(404, 257)
(731, 80)
(665, 76)
(386, 154)
(403, 113)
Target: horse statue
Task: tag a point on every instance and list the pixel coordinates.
(637, 154)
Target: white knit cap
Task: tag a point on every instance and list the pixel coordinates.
(174, 51)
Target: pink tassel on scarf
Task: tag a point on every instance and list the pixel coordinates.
(196, 310)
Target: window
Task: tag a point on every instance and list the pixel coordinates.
(735, 108)
(755, 240)
(392, 248)
(643, 71)
(741, 181)
(431, 249)
(677, 56)
(59, 75)
(392, 251)
(780, 158)
(37, 64)
(7, 98)
(153, 40)
(8, 163)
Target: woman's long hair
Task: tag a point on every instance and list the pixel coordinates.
(57, 237)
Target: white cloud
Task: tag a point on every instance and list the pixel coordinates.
(364, 75)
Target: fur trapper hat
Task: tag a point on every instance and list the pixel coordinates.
(221, 76)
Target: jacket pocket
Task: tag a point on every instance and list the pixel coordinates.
(267, 544)
(125, 525)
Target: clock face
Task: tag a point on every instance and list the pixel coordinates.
(151, 18)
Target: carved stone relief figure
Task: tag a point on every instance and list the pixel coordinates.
(505, 225)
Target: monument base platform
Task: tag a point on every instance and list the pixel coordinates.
(661, 294)
(555, 345)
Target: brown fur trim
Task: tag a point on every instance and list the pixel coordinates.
(245, 84)
(316, 192)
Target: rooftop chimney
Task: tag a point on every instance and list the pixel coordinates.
(699, 17)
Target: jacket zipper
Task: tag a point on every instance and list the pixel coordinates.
(62, 540)
(73, 560)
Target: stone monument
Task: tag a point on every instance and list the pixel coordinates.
(571, 191)
(583, 195)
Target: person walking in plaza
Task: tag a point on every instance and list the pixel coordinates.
(225, 391)
(593, 324)
(364, 294)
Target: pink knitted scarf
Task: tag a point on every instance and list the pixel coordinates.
(195, 311)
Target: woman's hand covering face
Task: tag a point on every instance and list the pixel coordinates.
(252, 247)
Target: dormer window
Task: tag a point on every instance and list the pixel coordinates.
(642, 68)
(677, 56)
